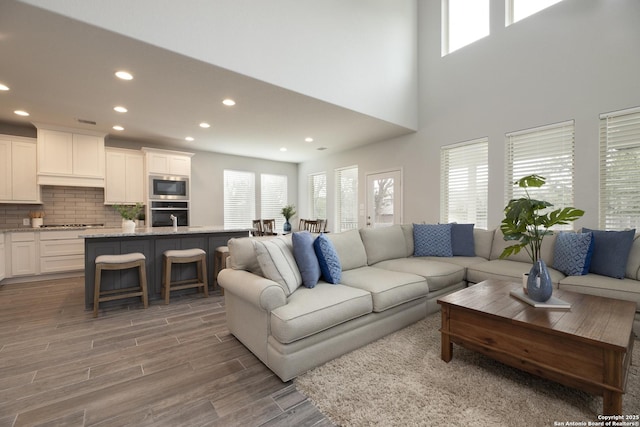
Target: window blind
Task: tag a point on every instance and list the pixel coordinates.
(347, 198)
(464, 183)
(273, 196)
(239, 199)
(547, 151)
(619, 169)
(318, 196)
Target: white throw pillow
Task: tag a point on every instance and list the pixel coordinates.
(278, 264)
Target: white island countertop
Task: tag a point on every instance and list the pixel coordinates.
(159, 231)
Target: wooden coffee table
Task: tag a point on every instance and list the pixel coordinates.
(587, 347)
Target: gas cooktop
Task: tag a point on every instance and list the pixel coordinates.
(71, 225)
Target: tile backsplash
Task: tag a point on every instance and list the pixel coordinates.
(64, 205)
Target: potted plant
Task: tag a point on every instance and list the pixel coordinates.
(287, 212)
(129, 214)
(525, 224)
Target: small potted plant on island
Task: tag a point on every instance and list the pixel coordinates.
(288, 212)
(525, 224)
(129, 214)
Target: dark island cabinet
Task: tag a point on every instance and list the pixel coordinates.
(152, 243)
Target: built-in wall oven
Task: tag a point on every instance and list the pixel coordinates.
(161, 213)
(168, 187)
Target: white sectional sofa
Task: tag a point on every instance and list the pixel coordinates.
(383, 288)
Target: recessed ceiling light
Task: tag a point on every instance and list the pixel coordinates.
(189, 138)
(308, 139)
(116, 127)
(120, 109)
(229, 102)
(21, 113)
(283, 149)
(124, 75)
(4, 87)
(205, 125)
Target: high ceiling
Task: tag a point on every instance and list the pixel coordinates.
(62, 71)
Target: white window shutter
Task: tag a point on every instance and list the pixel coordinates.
(239, 199)
(273, 196)
(347, 198)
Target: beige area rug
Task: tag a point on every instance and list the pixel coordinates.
(400, 380)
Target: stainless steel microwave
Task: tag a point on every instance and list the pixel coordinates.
(168, 188)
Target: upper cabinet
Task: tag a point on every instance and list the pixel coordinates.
(18, 170)
(165, 162)
(124, 182)
(70, 157)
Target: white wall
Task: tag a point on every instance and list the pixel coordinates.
(359, 54)
(574, 60)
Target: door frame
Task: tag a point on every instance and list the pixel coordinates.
(399, 215)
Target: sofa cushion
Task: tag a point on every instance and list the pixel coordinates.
(432, 240)
(309, 311)
(242, 252)
(572, 254)
(594, 284)
(462, 242)
(407, 230)
(610, 252)
(305, 255)
(388, 288)
(438, 271)
(383, 243)
(350, 249)
(483, 241)
(548, 245)
(278, 264)
(633, 263)
(504, 269)
(330, 267)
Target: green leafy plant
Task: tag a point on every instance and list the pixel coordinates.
(288, 211)
(525, 224)
(131, 212)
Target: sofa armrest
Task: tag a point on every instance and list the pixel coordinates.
(254, 289)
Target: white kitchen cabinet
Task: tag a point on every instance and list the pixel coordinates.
(24, 254)
(70, 157)
(124, 176)
(18, 177)
(61, 251)
(3, 257)
(165, 162)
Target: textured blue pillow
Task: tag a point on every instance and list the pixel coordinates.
(610, 252)
(462, 241)
(573, 252)
(330, 266)
(306, 258)
(432, 240)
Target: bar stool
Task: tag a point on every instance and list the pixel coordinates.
(120, 262)
(220, 262)
(184, 256)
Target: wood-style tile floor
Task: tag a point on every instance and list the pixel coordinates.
(168, 365)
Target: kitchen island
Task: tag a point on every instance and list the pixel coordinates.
(152, 242)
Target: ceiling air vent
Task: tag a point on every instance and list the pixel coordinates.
(87, 122)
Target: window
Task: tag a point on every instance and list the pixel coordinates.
(546, 151)
(619, 166)
(463, 22)
(273, 196)
(347, 198)
(318, 196)
(239, 199)
(464, 183)
(520, 9)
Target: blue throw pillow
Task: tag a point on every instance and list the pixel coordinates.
(432, 240)
(572, 253)
(330, 266)
(462, 241)
(306, 258)
(610, 252)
